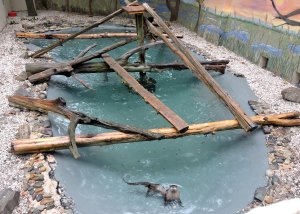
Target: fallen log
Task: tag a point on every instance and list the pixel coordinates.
(179, 124)
(25, 146)
(198, 69)
(101, 67)
(81, 36)
(60, 42)
(58, 106)
(68, 67)
(34, 68)
(65, 35)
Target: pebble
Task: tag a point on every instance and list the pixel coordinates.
(260, 193)
(39, 197)
(38, 184)
(41, 207)
(268, 199)
(50, 206)
(266, 129)
(36, 211)
(46, 201)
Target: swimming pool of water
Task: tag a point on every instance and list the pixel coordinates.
(216, 173)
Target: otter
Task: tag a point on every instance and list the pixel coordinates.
(152, 187)
(171, 195)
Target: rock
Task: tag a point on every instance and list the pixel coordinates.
(275, 180)
(23, 132)
(50, 206)
(41, 207)
(266, 129)
(43, 169)
(39, 197)
(38, 184)
(269, 173)
(269, 199)
(36, 211)
(46, 201)
(291, 94)
(65, 202)
(21, 91)
(46, 124)
(22, 76)
(239, 75)
(42, 96)
(9, 199)
(260, 193)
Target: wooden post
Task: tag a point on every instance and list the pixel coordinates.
(57, 143)
(200, 71)
(139, 19)
(179, 124)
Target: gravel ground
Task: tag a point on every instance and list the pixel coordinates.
(265, 85)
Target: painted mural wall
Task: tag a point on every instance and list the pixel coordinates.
(251, 28)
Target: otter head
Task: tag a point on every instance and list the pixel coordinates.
(173, 188)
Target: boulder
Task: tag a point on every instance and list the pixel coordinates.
(9, 199)
(291, 94)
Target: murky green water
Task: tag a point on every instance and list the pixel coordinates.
(217, 174)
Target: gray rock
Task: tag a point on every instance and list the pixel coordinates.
(260, 193)
(9, 199)
(266, 129)
(21, 91)
(38, 184)
(22, 76)
(291, 94)
(46, 124)
(50, 206)
(23, 132)
(275, 180)
(39, 198)
(42, 96)
(36, 211)
(41, 207)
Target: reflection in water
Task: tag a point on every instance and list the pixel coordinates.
(216, 174)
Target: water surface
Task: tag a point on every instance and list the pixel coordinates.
(217, 173)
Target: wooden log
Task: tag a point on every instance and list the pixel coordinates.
(102, 67)
(25, 146)
(200, 71)
(65, 35)
(58, 106)
(60, 42)
(67, 68)
(82, 36)
(179, 124)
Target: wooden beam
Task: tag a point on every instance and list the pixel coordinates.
(200, 71)
(161, 108)
(60, 42)
(102, 67)
(66, 35)
(82, 36)
(57, 143)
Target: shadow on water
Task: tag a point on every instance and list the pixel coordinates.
(217, 173)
